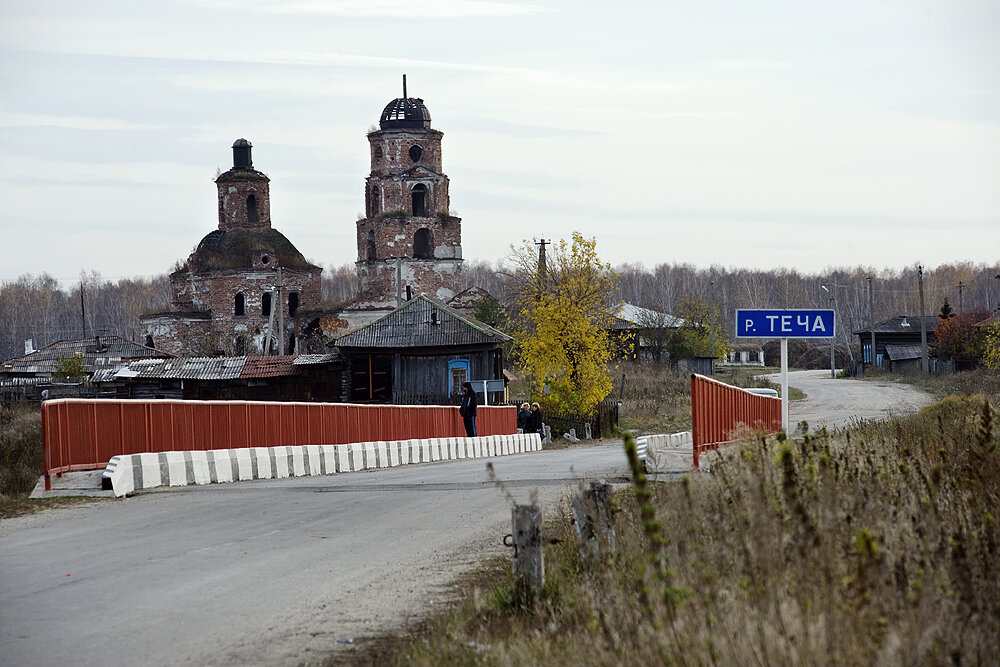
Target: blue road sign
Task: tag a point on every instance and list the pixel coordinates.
(784, 323)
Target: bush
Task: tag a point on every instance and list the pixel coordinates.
(21, 456)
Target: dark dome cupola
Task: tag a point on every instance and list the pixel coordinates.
(405, 113)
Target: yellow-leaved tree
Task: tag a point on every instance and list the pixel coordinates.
(561, 343)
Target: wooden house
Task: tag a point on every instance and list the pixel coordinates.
(421, 353)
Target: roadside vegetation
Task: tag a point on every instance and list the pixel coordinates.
(21, 462)
(878, 545)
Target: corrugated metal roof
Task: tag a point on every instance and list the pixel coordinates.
(423, 322)
(97, 352)
(310, 359)
(210, 368)
(903, 324)
(629, 316)
(190, 368)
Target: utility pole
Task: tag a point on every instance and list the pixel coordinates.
(923, 321)
(711, 319)
(961, 288)
(871, 316)
(83, 312)
(280, 288)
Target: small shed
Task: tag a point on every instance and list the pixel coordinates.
(421, 353)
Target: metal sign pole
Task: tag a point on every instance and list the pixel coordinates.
(784, 385)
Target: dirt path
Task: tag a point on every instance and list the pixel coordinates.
(836, 403)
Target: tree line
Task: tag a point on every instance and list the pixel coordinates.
(39, 307)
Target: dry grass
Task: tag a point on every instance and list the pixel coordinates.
(657, 398)
(21, 458)
(877, 547)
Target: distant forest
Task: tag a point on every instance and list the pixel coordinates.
(39, 308)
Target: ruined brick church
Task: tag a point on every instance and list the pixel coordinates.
(245, 287)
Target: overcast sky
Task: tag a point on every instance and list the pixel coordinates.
(762, 134)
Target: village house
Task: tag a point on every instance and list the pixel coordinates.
(897, 343)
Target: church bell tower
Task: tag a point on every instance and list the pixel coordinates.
(408, 242)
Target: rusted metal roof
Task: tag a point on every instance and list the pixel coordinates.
(423, 322)
(267, 367)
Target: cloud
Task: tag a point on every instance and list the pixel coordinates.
(42, 182)
(381, 8)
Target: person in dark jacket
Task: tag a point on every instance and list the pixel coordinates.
(468, 409)
(534, 420)
(522, 417)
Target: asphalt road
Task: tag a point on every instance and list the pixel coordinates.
(267, 572)
(839, 402)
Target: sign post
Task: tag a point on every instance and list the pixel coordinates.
(784, 324)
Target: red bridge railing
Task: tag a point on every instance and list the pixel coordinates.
(719, 412)
(83, 434)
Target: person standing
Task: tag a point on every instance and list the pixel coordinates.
(522, 417)
(534, 419)
(468, 409)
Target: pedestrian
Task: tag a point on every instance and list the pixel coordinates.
(468, 409)
(522, 417)
(534, 419)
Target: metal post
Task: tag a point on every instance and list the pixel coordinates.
(833, 341)
(784, 384)
(871, 316)
(923, 322)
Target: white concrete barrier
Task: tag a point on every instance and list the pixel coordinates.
(134, 472)
(672, 452)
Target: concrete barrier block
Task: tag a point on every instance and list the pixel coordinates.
(328, 462)
(221, 465)
(199, 466)
(149, 463)
(312, 460)
(261, 456)
(369, 456)
(244, 464)
(280, 462)
(343, 457)
(122, 477)
(176, 474)
(357, 459)
(297, 465)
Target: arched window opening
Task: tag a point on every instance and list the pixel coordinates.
(373, 207)
(423, 244)
(240, 307)
(251, 209)
(265, 304)
(371, 254)
(419, 197)
(291, 344)
(293, 303)
(149, 341)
